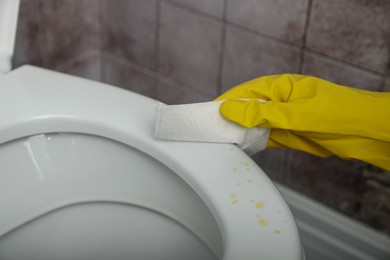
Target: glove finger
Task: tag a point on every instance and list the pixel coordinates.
(244, 112)
(255, 112)
(273, 87)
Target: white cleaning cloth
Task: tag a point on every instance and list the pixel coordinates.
(202, 122)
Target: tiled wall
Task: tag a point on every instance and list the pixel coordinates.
(181, 51)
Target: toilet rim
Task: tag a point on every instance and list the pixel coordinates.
(50, 102)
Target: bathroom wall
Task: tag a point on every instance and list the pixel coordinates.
(181, 51)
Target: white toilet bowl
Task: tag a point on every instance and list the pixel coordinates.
(82, 177)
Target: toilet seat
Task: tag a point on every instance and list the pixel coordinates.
(254, 219)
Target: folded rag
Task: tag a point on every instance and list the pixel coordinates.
(202, 122)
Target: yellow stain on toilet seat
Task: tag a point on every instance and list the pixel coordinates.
(263, 222)
(233, 196)
(260, 205)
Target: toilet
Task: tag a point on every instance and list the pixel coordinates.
(82, 177)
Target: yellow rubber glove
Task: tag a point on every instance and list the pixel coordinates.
(315, 116)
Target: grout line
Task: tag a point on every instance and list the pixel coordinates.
(179, 86)
(157, 36)
(304, 50)
(157, 47)
(101, 33)
(288, 158)
(304, 37)
(78, 56)
(222, 49)
(42, 35)
(262, 35)
(228, 23)
(386, 80)
(133, 65)
(343, 63)
(191, 10)
(154, 74)
(386, 77)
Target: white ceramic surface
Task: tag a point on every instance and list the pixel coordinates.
(253, 218)
(78, 191)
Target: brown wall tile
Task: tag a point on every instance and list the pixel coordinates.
(189, 48)
(70, 28)
(28, 42)
(86, 65)
(121, 73)
(211, 7)
(129, 30)
(354, 31)
(25, 3)
(248, 56)
(274, 162)
(333, 181)
(281, 19)
(171, 92)
(341, 73)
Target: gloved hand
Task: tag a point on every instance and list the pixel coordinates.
(315, 116)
